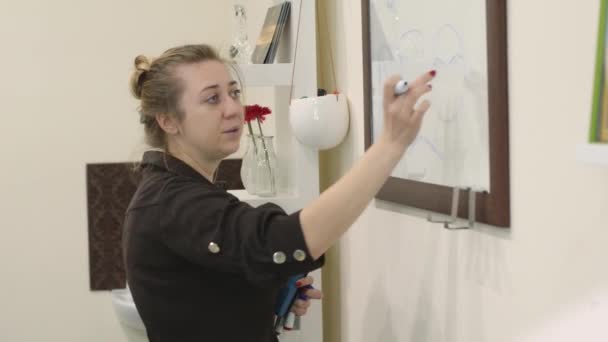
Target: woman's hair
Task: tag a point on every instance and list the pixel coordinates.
(159, 90)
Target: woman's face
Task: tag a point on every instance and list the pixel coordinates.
(213, 114)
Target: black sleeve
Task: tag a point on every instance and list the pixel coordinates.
(211, 227)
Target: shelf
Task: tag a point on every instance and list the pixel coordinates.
(245, 196)
(260, 75)
(593, 153)
(288, 202)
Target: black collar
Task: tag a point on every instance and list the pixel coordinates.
(169, 163)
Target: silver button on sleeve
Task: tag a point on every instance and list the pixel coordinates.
(299, 255)
(279, 257)
(214, 248)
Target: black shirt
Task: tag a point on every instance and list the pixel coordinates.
(202, 265)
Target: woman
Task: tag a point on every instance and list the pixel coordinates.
(201, 265)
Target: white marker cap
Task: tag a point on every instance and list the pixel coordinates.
(401, 87)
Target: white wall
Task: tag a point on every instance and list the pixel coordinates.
(64, 70)
(396, 277)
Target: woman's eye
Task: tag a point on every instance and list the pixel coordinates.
(213, 99)
(236, 93)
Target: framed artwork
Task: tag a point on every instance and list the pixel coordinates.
(464, 139)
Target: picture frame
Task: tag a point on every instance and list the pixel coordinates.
(493, 206)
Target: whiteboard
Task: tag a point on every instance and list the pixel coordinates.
(410, 37)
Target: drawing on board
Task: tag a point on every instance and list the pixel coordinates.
(464, 139)
(452, 148)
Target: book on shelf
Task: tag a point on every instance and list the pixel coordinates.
(283, 19)
(270, 35)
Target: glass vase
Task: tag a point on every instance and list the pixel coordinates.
(248, 165)
(259, 166)
(265, 173)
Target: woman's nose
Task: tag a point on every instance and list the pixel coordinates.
(233, 108)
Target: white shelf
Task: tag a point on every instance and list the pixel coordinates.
(288, 202)
(259, 75)
(593, 153)
(245, 196)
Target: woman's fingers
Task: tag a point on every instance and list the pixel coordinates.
(403, 104)
(393, 104)
(300, 307)
(298, 311)
(422, 80)
(418, 88)
(422, 108)
(314, 294)
(306, 292)
(402, 120)
(389, 90)
(416, 119)
(302, 304)
(308, 280)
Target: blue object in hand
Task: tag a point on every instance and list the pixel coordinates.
(284, 317)
(286, 296)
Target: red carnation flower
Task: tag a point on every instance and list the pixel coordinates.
(256, 112)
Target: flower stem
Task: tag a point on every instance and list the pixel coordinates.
(255, 147)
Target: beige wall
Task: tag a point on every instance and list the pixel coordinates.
(65, 103)
(64, 68)
(396, 277)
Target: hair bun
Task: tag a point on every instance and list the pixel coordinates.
(142, 66)
(142, 63)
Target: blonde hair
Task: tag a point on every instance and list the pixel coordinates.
(159, 90)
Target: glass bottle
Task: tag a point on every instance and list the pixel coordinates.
(240, 50)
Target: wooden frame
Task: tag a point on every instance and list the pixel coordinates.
(492, 207)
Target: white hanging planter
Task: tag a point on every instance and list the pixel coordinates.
(319, 122)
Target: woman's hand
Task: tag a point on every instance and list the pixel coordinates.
(305, 293)
(401, 120)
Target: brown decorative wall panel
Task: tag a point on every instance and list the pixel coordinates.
(110, 187)
(109, 190)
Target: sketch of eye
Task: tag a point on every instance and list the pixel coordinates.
(411, 45)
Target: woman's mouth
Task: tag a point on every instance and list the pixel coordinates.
(232, 130)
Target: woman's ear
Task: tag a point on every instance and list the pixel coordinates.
(168, 123)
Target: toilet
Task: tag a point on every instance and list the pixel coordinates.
(127, 315)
